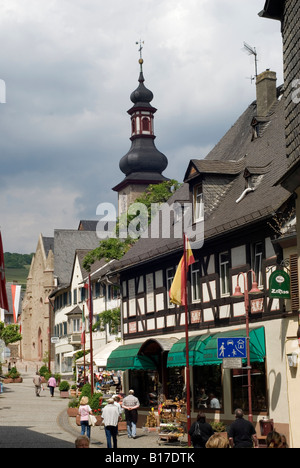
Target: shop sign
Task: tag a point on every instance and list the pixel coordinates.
(280, 285)
(232, 363)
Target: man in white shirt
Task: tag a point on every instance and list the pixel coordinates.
(110, 416)
(131, 405)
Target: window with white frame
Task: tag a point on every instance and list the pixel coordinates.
(257, 257)
(224, 259)
(195, 282)
(170, 277)
(76, 325)
(198, 204)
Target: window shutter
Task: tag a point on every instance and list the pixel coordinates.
(294, 282)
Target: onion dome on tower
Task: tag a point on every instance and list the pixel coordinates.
(143, 164)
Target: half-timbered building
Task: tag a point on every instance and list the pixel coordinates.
(233, 194)
(288, 13)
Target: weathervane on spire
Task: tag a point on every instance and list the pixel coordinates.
(141, 61)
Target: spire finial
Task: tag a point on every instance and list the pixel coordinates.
(141, 61)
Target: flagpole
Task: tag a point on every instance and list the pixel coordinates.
(84, 370)
(91, 335)
(188, 390)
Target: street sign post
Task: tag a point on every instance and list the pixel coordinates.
(229, 348)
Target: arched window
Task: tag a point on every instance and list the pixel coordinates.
(146, 124)
(133, 125)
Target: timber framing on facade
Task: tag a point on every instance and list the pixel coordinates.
(236, 183)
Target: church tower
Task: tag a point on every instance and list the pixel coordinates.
(143, 164)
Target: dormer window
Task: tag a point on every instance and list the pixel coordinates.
(255, 129)
(198, 204)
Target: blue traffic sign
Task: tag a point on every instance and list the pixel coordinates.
(232, 348)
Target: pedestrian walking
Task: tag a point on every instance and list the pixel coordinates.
(110, 415)
(131, 405)
(200, 431)
(37, 383)
(117, 400)
(84, 411)
(52, 385)
(241, 432)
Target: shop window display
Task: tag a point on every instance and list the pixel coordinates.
(239, 384)
(146, 387)
(208, 389)
(176, 386)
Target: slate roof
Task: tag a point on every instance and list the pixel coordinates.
(48, 244)
(288, 12)
(88, 225)
(66, 242)
(291, 48)
(234, 153)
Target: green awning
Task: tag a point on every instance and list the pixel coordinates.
(257, 345)
(177, 354)
(203, 349)
(126, 357)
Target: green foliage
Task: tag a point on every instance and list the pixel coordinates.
(158, 193)
(218, 426)
(16, 260)
(95, 402)
(116, 248)
(109, 317)
(80, 354)
(73, 403)
(13, 374)
(64, 386)
(109, 249)
(44, 371)
(86, 390)
(10, 333)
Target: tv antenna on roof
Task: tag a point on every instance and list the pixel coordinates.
(252, 51)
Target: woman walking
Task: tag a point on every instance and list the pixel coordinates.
(84, 411)
(200, 431)
(52, 385)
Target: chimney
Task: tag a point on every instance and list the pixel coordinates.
(266, 92)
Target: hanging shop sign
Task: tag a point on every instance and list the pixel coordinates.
(280, 285)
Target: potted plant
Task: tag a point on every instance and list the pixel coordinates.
(64, 388)
(122, 425)
(73, 408)
(13, 376)
(219, 427)
(95, 403)
(73, 392)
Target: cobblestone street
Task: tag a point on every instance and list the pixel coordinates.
(30, 422)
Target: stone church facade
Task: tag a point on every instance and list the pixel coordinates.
(36, 316)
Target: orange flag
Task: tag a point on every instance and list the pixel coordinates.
(177, 292)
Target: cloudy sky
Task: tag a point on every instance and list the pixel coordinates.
(69, 67)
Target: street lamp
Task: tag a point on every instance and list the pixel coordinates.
(237, 294)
